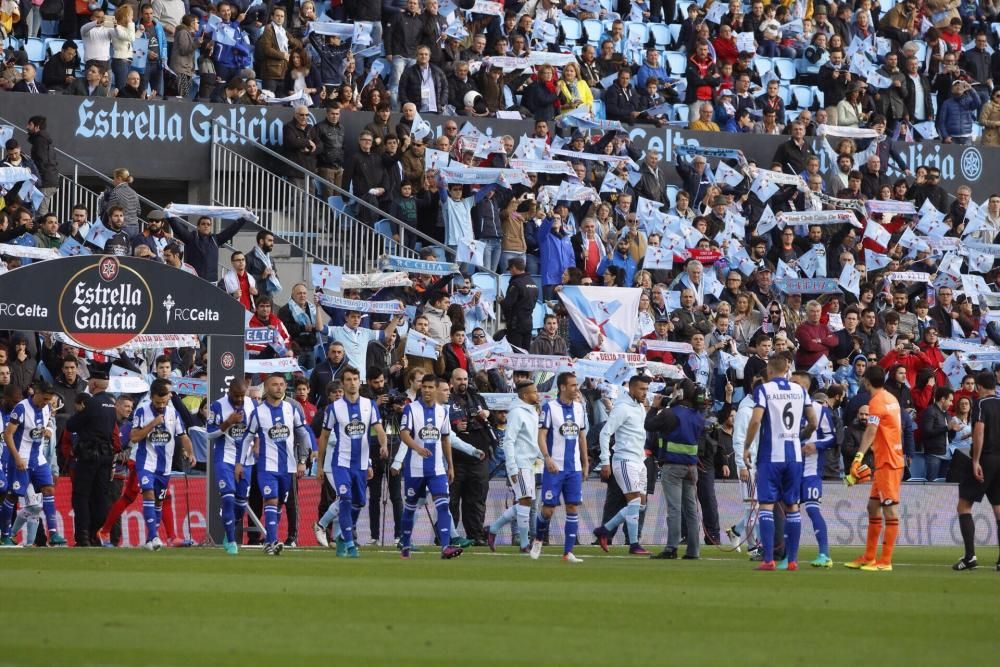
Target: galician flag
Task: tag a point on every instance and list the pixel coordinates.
(608, 311)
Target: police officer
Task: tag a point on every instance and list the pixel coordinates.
(93, 451)
(679, 428)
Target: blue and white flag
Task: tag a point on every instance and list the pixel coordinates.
(612, 183)
(875, 261)
(620, 372)
(11, 175)
(394, 263)
(224, 212)
(376, 69)
(327, 276)
(471, 251)
(420, 345)
(71, 248)
(728, 175)
(607, 311)
(332, 29)
(658, 258)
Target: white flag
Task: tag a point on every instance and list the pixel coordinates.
(878, 234)
(850, 280)
(609, 312)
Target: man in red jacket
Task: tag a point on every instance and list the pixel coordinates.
(815, 338)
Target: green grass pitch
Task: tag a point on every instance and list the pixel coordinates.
(200, 607)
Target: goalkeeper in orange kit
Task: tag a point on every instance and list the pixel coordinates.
(884, 436)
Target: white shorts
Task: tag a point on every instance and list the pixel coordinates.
(524, 487)
(748, 489)
(630, 475)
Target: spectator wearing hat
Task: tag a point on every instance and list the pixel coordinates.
(661, 331)
(154, 235)
(518, 304)
(958, 114)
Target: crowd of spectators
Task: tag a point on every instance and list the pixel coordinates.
(897, 272)
(733, 67)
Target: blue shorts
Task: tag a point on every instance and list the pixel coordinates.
(779, 482)
(415, 488)
(351, 484)
(150, 481)
(812, 489)
(3, 480)
(274, 484)
(225, 475)
(566, 483)
(38, 475)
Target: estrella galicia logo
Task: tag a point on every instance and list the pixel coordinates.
(278, 432)
(159, 436)
(105, 305)
(355, 428)
(971, 163)
(569, 430)
(37, 433)
(238, 431)
(429, 433)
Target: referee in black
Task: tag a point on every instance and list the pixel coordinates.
(979, 475)
(93, 453)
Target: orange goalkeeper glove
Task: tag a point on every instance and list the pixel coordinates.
(859, 471)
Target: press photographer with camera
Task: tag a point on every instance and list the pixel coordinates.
(679, 423)
(390, 405)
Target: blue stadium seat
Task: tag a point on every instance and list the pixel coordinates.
(784, 68)
(803, 96)
(762, 65)
(675, 33)
(661, 35)
(598, 107)
(636, 27)
(820, 97)
(79, 50)
(676, 62)
(572, 28)
(682, 10)
(484, 281)
(53, 46)
(681, 112)
(504, 282)
(785, 93)
(594, 30)
(608, 5)
(35, 48)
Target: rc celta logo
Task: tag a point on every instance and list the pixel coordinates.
(105, 305)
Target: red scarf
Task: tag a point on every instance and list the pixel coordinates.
(551, 87)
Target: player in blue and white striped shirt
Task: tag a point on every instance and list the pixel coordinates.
(779, 408)
(232, 456)
(562, 437)
(27, 428)
(156, 427)
(347, 465)
(424, 429)
(278, 424)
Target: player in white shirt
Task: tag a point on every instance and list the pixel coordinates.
(347, 464)
(156, 427)
(425, 430)
(747, 475)
(28, 426)
(562, 437)
(279, 427)
(520, 448)
(232, 456)
(625, 423)
(779, 408)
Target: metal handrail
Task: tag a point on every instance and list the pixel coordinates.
(107, 179)
(294, 214)
(306, 174)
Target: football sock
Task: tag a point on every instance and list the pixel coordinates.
(345, 520)
(270, 524)
(406, 524)
(49, 508)
(819, 527)
(444, 521)
(331, 514)
(229, 516)
(503, 519)
(541, 527)
(28, 516)
(766, 520)
(159, 522)
(572, 523)
(793, 530)
(241, 510)
(6, 513)
(617, 519)
(149, 517)
(871, 543)
(889, 541)
(968, 527)
(632, 520)
(523, 519)
(166, 512)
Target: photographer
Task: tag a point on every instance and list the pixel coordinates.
(390, 406)
(714, 452)
(679, 428)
